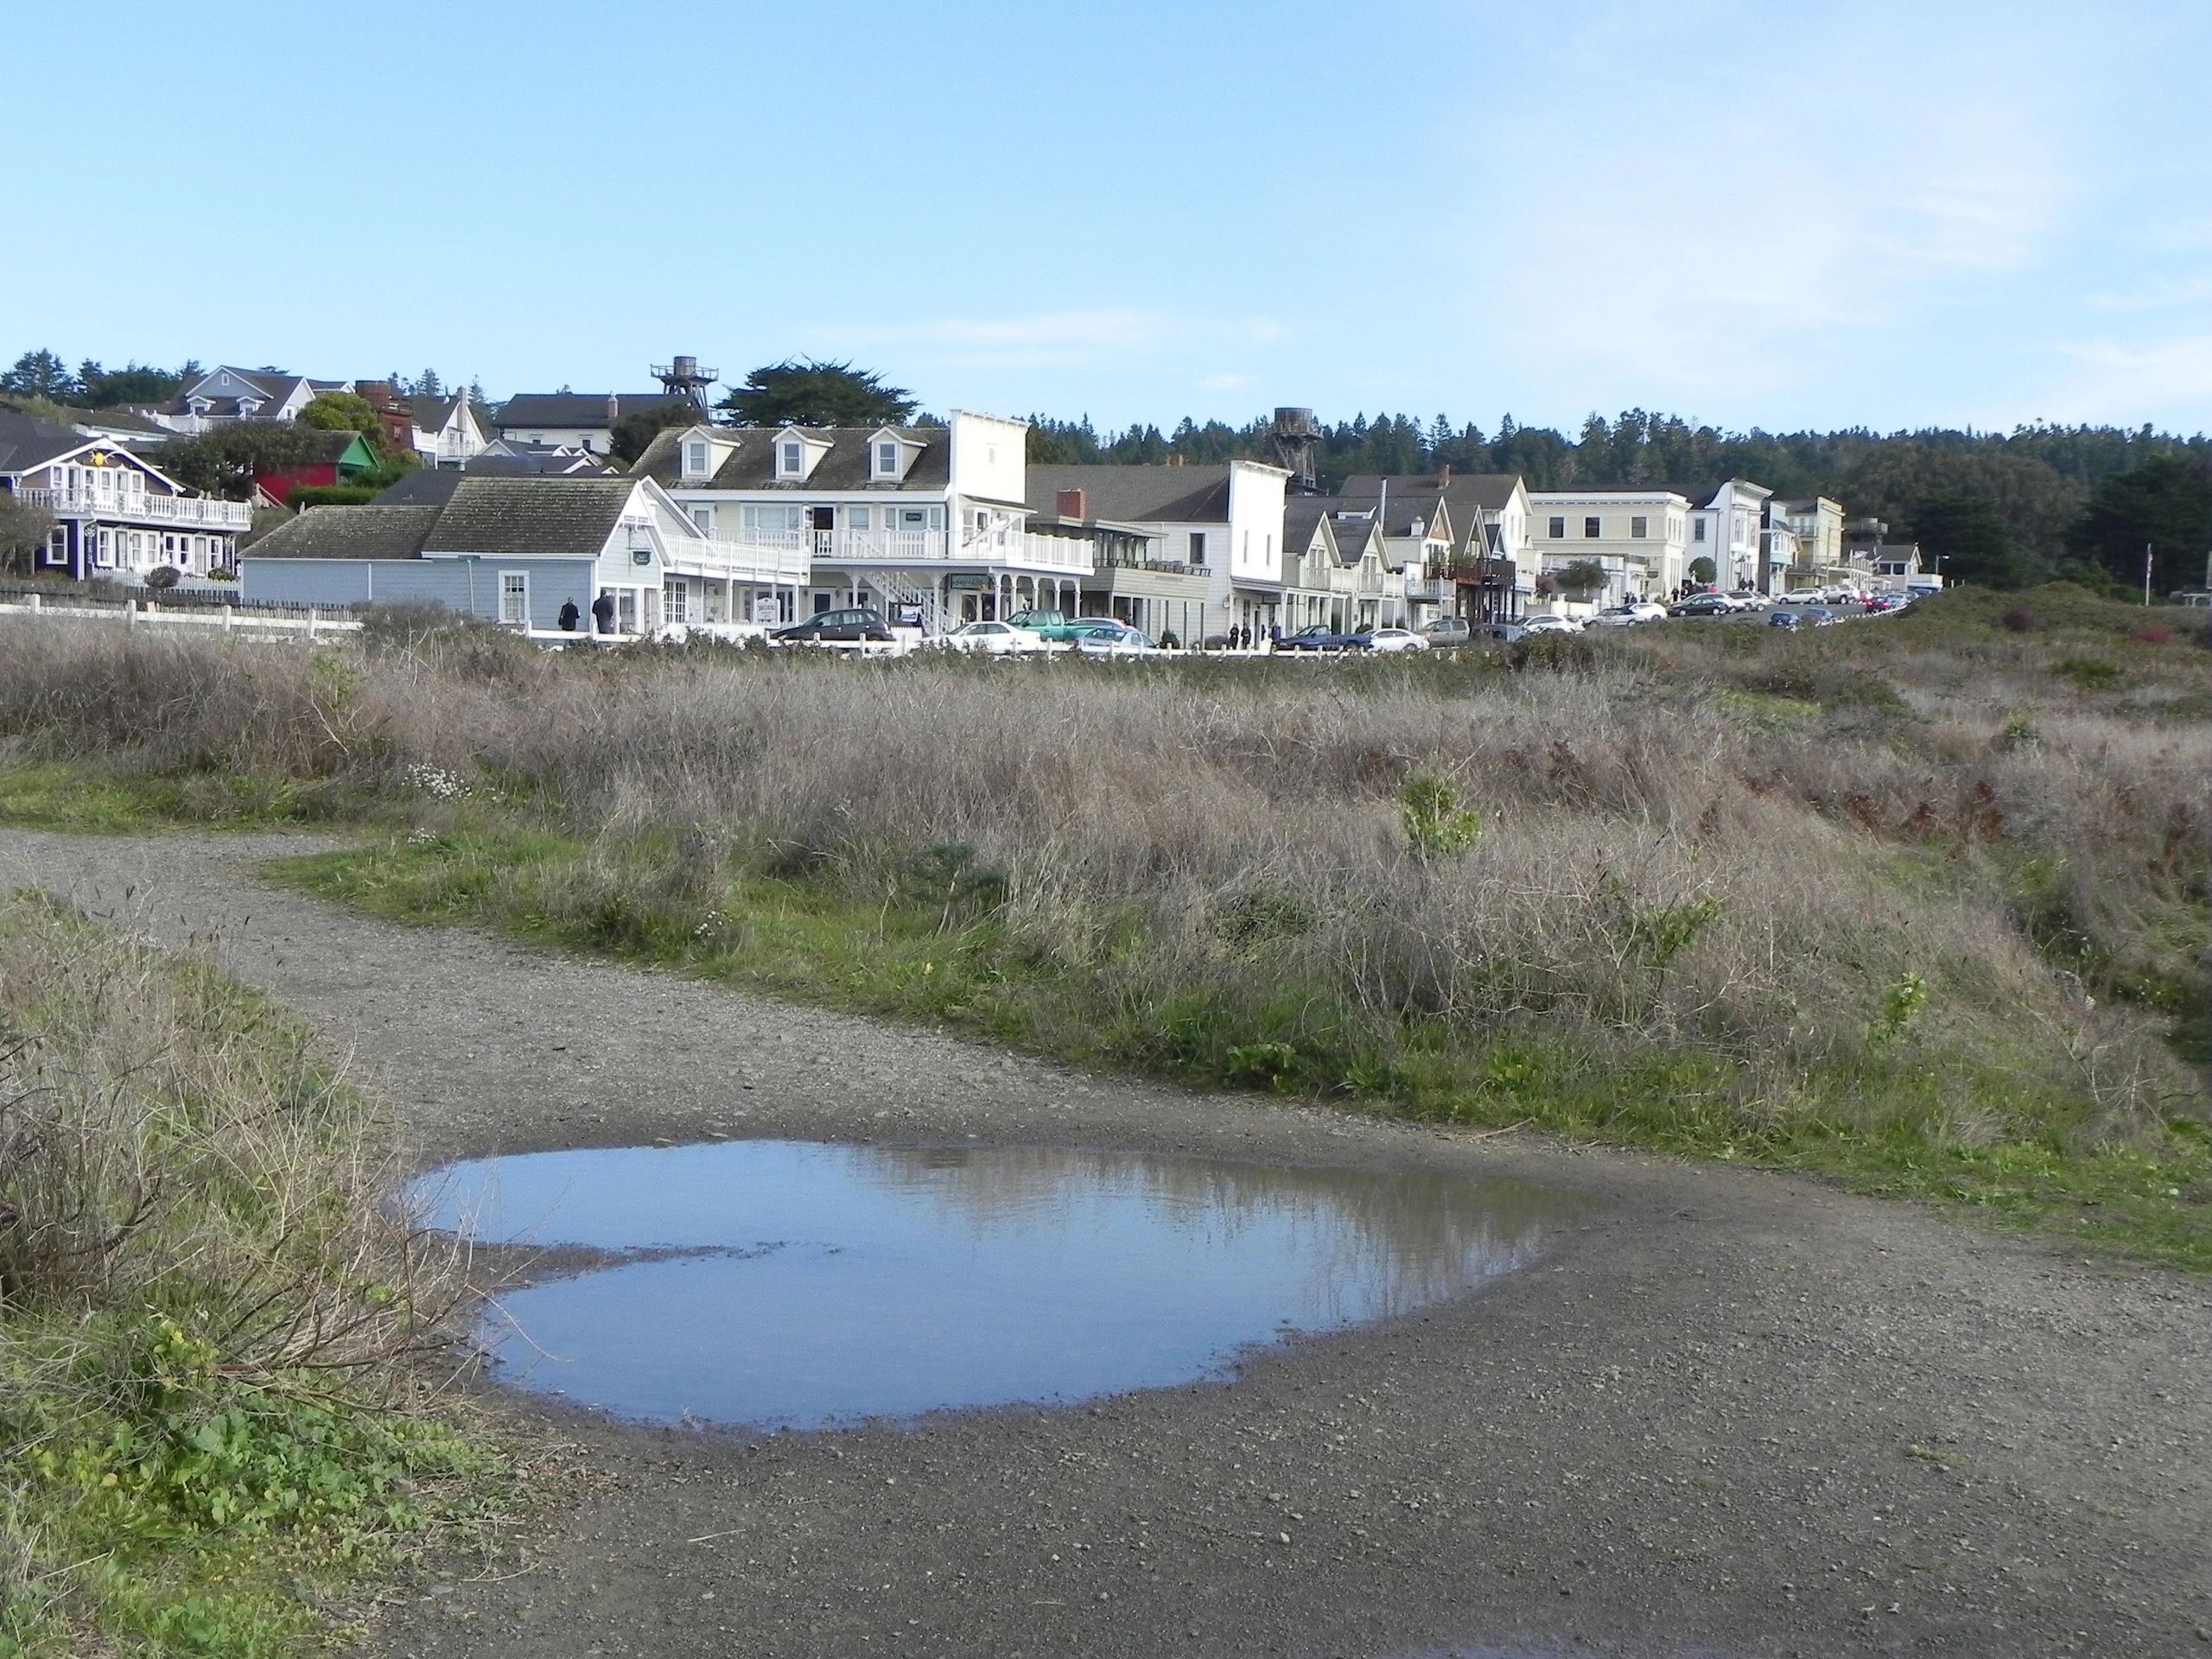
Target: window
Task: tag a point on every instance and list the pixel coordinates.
(1557, 530)
(695, 459)
(1639, 526)
(675, 599)
(794, 459)
(1697, 530)
(772, 517)
(1198, 547)
(514, 598)
(858, 519)
(887, 460)
(1591, 530)
(704, 517)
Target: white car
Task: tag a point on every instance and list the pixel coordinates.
(990, 639)
(1635, 612)
(1549, 622)
(1394, 639)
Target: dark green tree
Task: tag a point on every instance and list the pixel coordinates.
(628, 438)
(226, 460)
(1973, 542)
(1580, 579)
(41, 374)
(2165, 504)
(810, 393)
(134, 383)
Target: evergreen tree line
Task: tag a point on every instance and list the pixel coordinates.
(2008, 509)
(44, 375)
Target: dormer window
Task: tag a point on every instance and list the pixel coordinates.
(887, 461)
(790, 460)
(696, 457)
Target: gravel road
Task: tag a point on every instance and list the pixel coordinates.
(1730, 1414)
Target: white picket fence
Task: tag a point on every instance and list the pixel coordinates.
(230, 618)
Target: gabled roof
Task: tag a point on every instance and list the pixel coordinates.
(1303, 516)
(437, 512)
(531, 518)
(751, 464)
(372, 532)
(581, 409)
(1139, 495)
(1399, 506)
(1485, 491)
(27, 442)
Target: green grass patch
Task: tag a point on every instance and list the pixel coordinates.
(209, 1319)
(1873, 1123)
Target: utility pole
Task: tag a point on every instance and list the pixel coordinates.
(2146, 572)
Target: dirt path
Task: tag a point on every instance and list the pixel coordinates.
(1737, 1413)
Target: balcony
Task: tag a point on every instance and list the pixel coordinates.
(891, 549)
(201, 512)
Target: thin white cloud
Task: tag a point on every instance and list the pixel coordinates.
(2168, 380)
(2158, 294)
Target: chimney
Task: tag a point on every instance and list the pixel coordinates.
(1072, 504)
(1447, 473)
(1175, 460)
(614, 409)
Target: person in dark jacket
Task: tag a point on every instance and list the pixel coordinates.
(569, 616)
(603, 612)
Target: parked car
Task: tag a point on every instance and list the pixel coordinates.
(1550, 623)
(1320, 636)
(1394, 639)
(1447, 631)
(823, 627)
(1789, 620)
(990, 639)
(1505, 633)
(1103, 637)
(1634, 613)
(1051, 627)
(1818, 616)
(1703, 605)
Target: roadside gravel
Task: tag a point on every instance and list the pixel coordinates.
(1731, 1413)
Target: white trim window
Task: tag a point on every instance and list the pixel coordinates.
(1639, 527)
(675, 599)
(1556, 529)
(695, 454)
(703, 517)
(887, 461)
(1592, 530)
(514, 598)
(790, 459)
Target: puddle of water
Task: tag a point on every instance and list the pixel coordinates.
(780, 1284)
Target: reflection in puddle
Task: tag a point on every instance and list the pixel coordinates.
(789, 1284)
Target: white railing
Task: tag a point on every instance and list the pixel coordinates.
(160, 509)
(230, 618)
(771, 562)
(1074, 555)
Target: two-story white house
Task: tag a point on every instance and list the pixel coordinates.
(927, 523)
(1727, 529)
(115, 513)
(1223, 523)
(1638, 537)
(450, 431)
(577, 420)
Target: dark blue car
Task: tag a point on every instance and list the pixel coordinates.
(1321, 637)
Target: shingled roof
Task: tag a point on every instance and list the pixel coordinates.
(579, 409)
(844, 467)
(1137, 495)
(1487, 491)
(370, 532)
(26, 441)
(443, 512)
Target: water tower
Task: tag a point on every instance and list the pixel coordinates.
(1298, 441)
(685, 378)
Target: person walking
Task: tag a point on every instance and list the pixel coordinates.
(602, 613)
(569, 616)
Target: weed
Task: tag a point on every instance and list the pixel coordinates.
(1437, 825)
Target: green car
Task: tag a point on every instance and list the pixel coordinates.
(1052, 626)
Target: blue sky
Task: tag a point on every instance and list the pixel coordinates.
(1780, 213)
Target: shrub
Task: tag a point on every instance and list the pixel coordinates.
(1437, 826)
(163, 576)
(2020, 620)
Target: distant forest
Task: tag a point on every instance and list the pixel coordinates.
(2008, 508)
